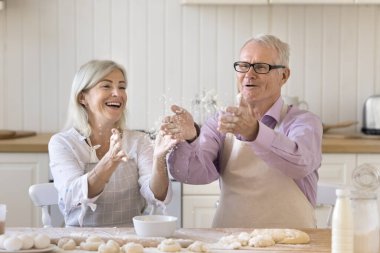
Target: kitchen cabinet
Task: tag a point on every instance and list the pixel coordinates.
(200, 201)
(17, 172)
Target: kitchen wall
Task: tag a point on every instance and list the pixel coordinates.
(173, 51)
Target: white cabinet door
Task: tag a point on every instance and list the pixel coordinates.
(337, 168)
(198, 211)
(17, 172)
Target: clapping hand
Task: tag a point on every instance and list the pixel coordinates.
(179, 126)
(239, 120)
(115, 152)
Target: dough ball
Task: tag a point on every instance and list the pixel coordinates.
(12, 243)
(169, 245)
(66, 244)
(27, 241)
(229, 242)
(110, 247)
(294, 236)
(197, 246)
(92, 243)
(2, 239)
(132, 247)
(41, 241)
(243, 238)
(263, 240)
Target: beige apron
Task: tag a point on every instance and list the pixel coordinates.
(257, 196)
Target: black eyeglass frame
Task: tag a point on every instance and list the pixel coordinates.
(253, 66)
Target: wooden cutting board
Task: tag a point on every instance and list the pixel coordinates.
(320, 239)
(11, 134)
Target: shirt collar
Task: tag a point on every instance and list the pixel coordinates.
(275, 111)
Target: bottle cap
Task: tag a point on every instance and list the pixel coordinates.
(366, 177)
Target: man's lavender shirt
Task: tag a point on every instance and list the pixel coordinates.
(294, 148)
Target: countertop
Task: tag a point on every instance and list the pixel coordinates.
(320, 239)
(332, 143)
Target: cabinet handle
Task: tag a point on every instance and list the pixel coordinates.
(216, 204)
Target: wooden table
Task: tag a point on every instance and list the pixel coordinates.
(320, 238)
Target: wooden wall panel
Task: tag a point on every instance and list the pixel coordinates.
(173, 52)
(30, 69)
(66, 56)
(13, 66)
(155, 61)
(49, 66)
(313, 58)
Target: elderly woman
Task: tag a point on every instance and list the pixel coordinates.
(104, 173)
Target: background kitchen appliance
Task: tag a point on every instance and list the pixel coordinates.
(371, 115)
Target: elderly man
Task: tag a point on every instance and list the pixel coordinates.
(266, 154)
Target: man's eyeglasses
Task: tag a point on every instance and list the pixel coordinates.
(259, 68)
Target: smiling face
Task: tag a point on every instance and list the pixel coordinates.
(105, 102)
(261, 90)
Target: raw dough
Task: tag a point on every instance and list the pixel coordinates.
(294, 236)
(110, 247)
(263, 240)
(197, 246)
(230, 242)
(169, 245)
(12, 243)
(243, 238)
(41, 241)
(132, 247)
(284, 236)
(92, 243)
(27, 241)
(66, 243)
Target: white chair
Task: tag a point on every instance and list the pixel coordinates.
(44, 195)
(326, 196)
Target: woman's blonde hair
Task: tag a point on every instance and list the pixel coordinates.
(87, 77)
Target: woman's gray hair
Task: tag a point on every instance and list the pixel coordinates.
(272, 41)
(87, 77)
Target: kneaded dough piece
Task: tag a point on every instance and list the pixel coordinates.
(27, 241)
(169, 245)
(243, 238)
(294, 236)
(12, 243)
(132, 247)
(197, 246)
(66, 243)
(110, 247)
(230, 242)
(263, 240)
(41, 241)
(92, 243)
(284, 236)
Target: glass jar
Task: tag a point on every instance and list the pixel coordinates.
(366, 221)
(366, 180)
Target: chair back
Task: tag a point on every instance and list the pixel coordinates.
(44, 195)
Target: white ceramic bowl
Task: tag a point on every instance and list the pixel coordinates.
(155, 225)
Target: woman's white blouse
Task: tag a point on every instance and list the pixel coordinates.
(124, 196)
